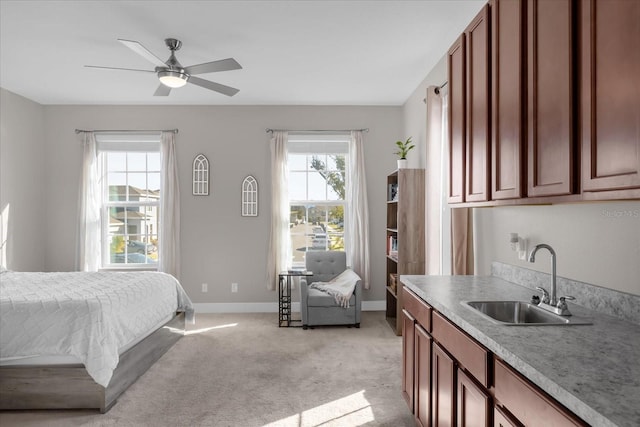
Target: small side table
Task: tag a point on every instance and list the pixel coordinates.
(284, 295)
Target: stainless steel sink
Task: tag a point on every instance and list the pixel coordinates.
(520, 313)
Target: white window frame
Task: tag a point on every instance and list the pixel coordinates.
(123, 143)
(319, 145)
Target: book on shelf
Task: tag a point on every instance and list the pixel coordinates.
(392, 195)
(392, 246)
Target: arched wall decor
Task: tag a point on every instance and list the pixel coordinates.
(200, 176)
(249, 196)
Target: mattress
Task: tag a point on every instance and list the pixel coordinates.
(90, 317)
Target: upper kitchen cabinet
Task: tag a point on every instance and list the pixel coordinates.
(478, 108)
(610, 97)
(508, 85)
(551, 140)
(470, 112)
(456, 61)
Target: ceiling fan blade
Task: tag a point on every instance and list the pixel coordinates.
(225, 90)
(116, 68)
(143, 51)
(162, 90)
(210, 67)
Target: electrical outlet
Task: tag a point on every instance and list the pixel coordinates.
(205, 287)
(234, 287)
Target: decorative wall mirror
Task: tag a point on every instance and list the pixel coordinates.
(200, 176)
(249, 196)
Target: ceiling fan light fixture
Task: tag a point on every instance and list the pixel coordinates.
(173, 79)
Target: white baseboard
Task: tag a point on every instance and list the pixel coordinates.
(267, 307)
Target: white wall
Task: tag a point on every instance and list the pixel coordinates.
(218, 245)
(597, 243)
(22, 183)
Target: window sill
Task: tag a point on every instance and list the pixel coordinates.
(129, 269)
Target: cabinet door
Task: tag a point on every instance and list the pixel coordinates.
(478, 108)
(408, 351)
(473, 403)
(610, 94)
(456, 61)
(443, 383)
(422, 375)
(507, 102)
(550, 97)
(500, 419)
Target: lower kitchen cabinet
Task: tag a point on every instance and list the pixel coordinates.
(408, 346)
(449, 379)
(422, 372)
(500, 419)
(443, 376)
(474, 403)
(529, 405)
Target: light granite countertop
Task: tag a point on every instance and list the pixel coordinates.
(593, 370)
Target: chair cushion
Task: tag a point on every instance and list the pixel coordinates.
(317, 298)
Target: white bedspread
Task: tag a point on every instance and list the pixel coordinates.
(86, 315)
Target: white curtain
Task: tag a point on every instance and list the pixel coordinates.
(279, 256)
(169, 228)
(357, 218)
(433, 196)
(89, 230)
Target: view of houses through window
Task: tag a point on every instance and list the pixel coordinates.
(317, 200)
(130, 207)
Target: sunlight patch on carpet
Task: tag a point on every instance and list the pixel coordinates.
(353, 410)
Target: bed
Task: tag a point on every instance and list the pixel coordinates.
(79, 340)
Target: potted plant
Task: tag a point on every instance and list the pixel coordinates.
(403, 150)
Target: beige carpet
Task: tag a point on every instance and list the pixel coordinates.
(242, 370)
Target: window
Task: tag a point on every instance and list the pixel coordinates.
(130, 170)
(317, 185)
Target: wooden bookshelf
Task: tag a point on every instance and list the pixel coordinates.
(405, 226)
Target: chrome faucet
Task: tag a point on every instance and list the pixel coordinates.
(532, 258)
(549, 301)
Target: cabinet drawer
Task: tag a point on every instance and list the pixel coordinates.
(417, 307)
(531, 406)
(471, 355)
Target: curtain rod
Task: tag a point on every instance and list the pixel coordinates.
(436, 90)
(317, 131)
(127, 131)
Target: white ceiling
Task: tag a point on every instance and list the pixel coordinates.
(292, 52)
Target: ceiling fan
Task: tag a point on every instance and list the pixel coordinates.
(173, 75)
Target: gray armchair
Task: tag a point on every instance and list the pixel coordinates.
(319, 308)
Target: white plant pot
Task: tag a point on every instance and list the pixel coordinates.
(402, 163)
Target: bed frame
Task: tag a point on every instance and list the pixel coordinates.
(71, 387)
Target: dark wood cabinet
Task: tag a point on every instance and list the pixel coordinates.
(478, 108)
(501, 419)
(610, 94)
(550, 95)
(508, 94)
(408, 351)
(470, 112)
(456, 61)
(547, 112)
(449, 378)
(422, 377)
(474, 403)
(443, 387)
(530, 405)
